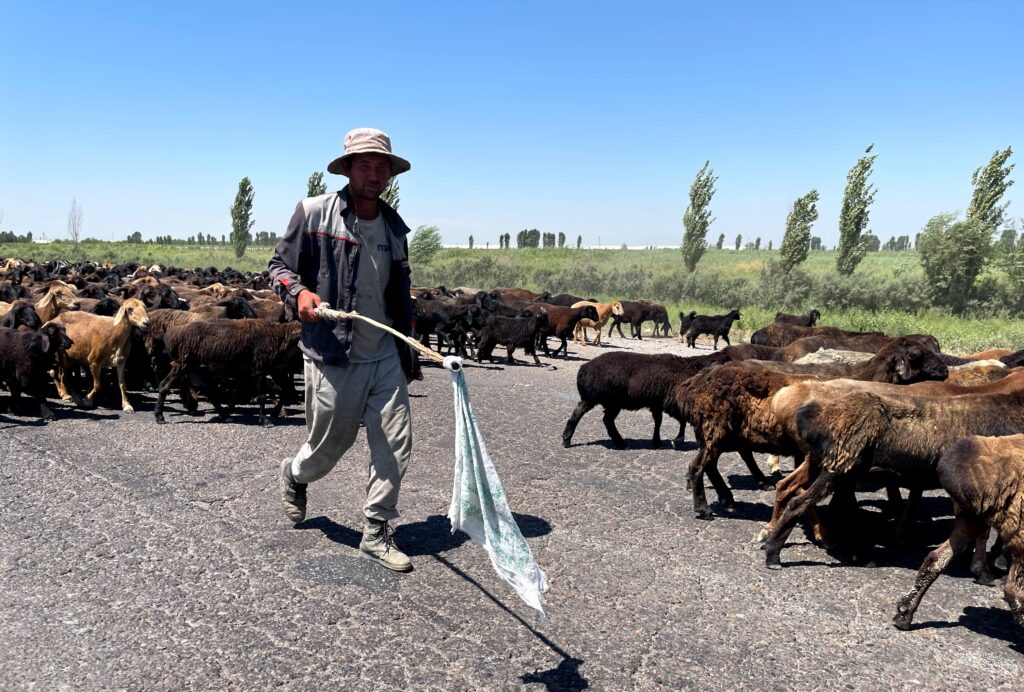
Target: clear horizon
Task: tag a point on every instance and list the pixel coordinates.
(576, 117)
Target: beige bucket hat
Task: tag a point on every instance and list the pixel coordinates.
(366, 140)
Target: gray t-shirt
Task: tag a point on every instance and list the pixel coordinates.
(370, 344)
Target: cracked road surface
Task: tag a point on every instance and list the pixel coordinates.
(158, 557)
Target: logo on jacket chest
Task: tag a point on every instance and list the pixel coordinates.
(383, 247)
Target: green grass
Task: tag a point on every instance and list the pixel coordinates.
(635, 273)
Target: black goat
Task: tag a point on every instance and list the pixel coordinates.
(717, 326)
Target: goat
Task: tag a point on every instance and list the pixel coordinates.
(808, 320)
(985, 478)
(848, 428)
(249, 349)
(730, 408)
(99, 342)
(604, 312)
(717, 326)
(26, 357)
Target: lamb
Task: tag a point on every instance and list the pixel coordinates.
(512, 332)
(848, 428)
(239, 349)
(985, 478)
(730, 408)
(605, 311)
(26, 357)
(808, 320)
(99, 342)
(717, 326)
(631, 381)
(19, 313)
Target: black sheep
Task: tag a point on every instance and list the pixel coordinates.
(632, 381)
(808, 320)
(26, 359)
(21, 313)
(717, 326)
(512, 333)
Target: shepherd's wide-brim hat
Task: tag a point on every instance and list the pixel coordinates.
(366, 140)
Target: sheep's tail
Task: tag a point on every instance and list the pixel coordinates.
(325, 310)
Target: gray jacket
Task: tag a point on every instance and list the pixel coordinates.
(319, 253)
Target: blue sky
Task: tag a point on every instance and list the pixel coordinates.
(588, 118)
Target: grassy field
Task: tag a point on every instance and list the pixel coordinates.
(610, 274)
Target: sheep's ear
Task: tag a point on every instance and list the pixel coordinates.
(46, 343)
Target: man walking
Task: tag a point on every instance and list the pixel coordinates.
(349, 249)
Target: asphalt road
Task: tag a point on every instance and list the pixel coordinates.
(157, 557)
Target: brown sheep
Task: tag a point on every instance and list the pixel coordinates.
(561, 321)
(58, 298)
(985, 478)
(789, 400)
(785, 334)
(730, 407)
(849, 428)
(604, 313)
(990, 354)
(99, 342)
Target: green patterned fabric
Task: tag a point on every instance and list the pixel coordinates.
(479, 506)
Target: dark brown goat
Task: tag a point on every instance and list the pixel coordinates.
(985, 478)
(512, 333)
(730, 407)
(849, 428)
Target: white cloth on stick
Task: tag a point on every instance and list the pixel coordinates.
(479, 506)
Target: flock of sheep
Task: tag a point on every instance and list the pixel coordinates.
(848, 407)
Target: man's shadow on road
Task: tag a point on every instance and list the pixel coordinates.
(434, 536)
(429, 537)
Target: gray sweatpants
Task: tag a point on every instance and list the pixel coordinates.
(337, 398)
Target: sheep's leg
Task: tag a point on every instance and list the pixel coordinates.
(681, 437)
(1013, 592)
(176, 371)
(96, 371)
(911, 504)
(706, 461)
(610, 415)
(725, 497)
(785, 490)
(125, 406)
(979, 561)
(564, 348)
(819, 489)
(261, 397)
(715, 346)
(964, 533)
(775, 464)
(60, 379)
(656, 414)
(636, 330)
(574, 420)
(762, 481)
(511, 349)
(726, 337)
